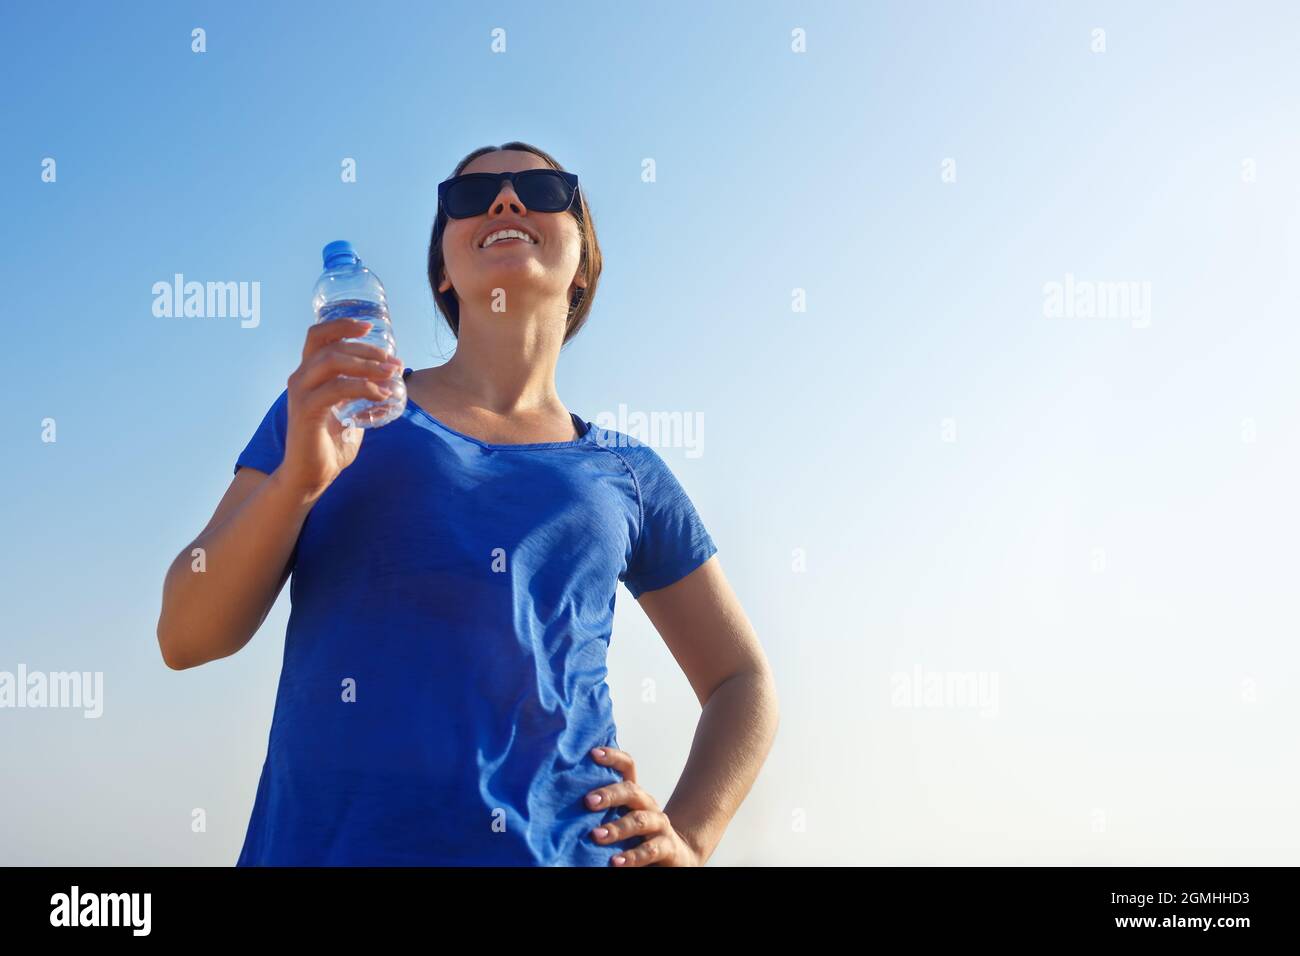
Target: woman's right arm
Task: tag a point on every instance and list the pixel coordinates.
(214, 603)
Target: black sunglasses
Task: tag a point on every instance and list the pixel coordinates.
(541, 190)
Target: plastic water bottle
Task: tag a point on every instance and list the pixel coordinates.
(348, 290)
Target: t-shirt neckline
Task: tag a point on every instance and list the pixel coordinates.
(417, 409)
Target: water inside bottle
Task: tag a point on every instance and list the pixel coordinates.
(364, 412)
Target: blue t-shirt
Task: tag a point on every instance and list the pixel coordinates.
(443, 680)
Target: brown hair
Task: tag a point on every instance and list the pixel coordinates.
(589, 265)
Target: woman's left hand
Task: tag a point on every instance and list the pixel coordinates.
(661, 845)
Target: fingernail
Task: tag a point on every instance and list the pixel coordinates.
(618, 861)
(593, 799)
(602, 832)
(599, 752)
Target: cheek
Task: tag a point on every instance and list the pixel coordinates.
(569, 248)
(454, 251)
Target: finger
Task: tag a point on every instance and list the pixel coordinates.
(331, 362)
(624, 793)
(370, 350)
(320, 401)
(659, 849)
(616, 759)
(323, 333)
(633, 823)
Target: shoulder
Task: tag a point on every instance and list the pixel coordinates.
(656, 484)
(641, 459)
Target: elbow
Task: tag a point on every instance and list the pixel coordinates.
(761, 684)
(175, 638)
(168, 655)
(164, 629)
(167, 646)
(177, 663)
(774, 712)
(772, 706)
(174, 664)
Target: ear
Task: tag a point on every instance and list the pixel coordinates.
(444, 284)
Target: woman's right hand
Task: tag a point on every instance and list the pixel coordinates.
(317, 446)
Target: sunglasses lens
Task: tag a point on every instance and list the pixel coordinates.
(541, 191)
(470, 197)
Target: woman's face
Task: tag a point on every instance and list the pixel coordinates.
(534, 270)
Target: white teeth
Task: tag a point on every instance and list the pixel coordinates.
(507, 234)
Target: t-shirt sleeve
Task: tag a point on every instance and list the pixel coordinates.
(265, 450)
(673, 541)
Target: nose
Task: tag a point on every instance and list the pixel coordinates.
(507, 197)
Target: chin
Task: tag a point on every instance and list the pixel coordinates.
(513, 273)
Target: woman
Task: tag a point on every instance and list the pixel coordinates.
(442, 698)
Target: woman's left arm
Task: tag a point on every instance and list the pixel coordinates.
(706, 630)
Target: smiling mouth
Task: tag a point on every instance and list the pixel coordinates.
(508, 234)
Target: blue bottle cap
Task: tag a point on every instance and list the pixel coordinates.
(337, 249)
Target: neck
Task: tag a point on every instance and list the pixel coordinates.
(505, 362)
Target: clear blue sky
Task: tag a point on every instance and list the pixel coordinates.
(1120, 689)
